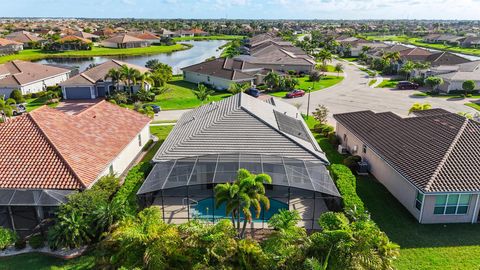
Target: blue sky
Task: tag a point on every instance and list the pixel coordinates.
(245, 9)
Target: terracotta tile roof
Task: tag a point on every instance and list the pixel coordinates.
(437, 151)
(5, 42)
(23, 72)
(71, 38)
(29, 160)
(23, 37)
(62, 151)
(143, 35)
(97, 73)
(123, 38)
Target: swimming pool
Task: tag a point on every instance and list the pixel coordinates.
(205, 209)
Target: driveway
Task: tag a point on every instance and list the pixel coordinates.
(354, 94)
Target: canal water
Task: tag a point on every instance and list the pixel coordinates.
(200, 51)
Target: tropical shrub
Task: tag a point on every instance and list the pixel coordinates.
(333, 139)
(36, 241)
(17, 96)
(7, 238)
(357, 244)
(20, 244)
(346, 184)
(320, 114)
(76, 221)
(126, 198)
(351, 161)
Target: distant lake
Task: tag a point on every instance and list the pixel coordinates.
(200, 51)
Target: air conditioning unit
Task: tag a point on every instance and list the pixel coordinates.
(354, 149)
(341, 149)
(363, 167)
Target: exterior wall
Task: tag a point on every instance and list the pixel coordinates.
(297, 68)
(456, 85)
(216, 82)
(399, 187)
(37, 86)
(429, 217)
(391, 179)
(109, 44)
(129, 153)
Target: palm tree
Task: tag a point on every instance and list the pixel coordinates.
(116, 76)
(338, 68)
(247, 190)
(202, 92)
(236, 88)
(129, 76)
(324, 56)
(407, 68)
(272, 80)
(145, 78)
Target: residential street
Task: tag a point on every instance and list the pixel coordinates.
(354, 94)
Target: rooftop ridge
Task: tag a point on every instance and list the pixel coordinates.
(447, 155)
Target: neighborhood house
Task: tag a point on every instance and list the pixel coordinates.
(48, 154)
(429, 162)
(29, 77)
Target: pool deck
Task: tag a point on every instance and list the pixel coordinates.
(310, 209)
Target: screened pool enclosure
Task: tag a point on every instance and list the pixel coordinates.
(22, 210)
(183, 188)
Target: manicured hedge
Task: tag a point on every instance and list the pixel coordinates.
(127, 194)
(346, 184)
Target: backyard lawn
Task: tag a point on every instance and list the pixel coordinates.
(35, 54)
(182, 97)
(39, 261)
(161, 132)
(305, 84)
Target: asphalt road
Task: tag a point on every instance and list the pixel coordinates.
(354, 94)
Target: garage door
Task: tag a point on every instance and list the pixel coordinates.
(78, 92)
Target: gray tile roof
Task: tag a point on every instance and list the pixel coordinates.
(240, 124)
(436, 151)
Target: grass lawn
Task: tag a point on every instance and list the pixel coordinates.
(369, 72)
(39, 261)
(35, 54)
(181, 96)
(305, 84)
(35, 103)
(476, 106)
(371, 82)
(438, 246)
(161, 132)
(215, 37)
(388, 84)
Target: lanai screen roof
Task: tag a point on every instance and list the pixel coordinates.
(29, 197)
(222, 168)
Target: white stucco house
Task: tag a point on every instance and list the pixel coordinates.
(29, 77)
(62, 152)
(428, 162)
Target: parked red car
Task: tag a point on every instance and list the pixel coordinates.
(295, 93)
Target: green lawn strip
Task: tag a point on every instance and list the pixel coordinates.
(35, 103)
(215, 37)
(35, 54)
(370, 73)
(422, 246)
(388, 84)
(349, 59)
(305, 84)
(163, 122)
(161, 132)
(371, 82)
(476, 106)
(40, 261)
